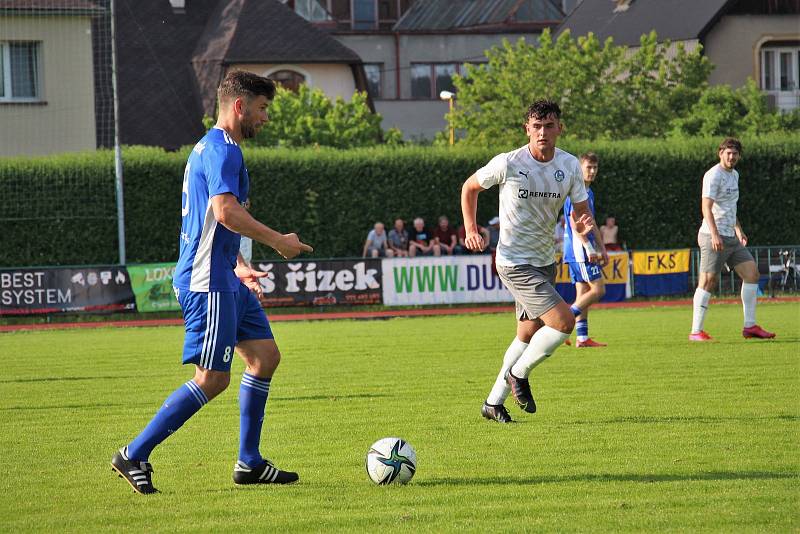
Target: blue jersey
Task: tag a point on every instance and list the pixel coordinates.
(208, 249)
(573, 247)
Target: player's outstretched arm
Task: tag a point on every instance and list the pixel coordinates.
(229, 213)
(469, 210)
(583, 223)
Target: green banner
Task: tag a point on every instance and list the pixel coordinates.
(152, 287)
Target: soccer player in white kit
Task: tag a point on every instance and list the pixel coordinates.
(721, 241)
(534, 182)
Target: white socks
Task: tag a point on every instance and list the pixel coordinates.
(543, 343)
(701, 298)
(749, 293)
(500, 390)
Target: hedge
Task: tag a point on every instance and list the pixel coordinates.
(333, 197)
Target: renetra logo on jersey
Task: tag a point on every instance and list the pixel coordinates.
(524, 193)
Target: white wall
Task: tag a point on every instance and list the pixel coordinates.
(64, 120)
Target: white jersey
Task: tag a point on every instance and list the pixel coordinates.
(722, 187)
(246, 249)
(531, 196)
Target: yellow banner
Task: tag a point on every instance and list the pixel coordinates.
(661, 262)
(616, 272)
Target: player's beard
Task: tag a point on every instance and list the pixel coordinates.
(249, 129)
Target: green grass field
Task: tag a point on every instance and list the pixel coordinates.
(649, 434)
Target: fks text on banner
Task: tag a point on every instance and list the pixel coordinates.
(661, 272)
(443, 280)
(322, 282)
(55, 290)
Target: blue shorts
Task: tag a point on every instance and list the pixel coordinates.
(584, 271)
(216, 321)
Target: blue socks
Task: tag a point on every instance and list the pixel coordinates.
(187, 400)
(582, 330)
(253, 394)
(176, 410)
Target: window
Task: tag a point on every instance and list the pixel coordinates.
(421, 80)
(311, 10)
(787, 84)
(429, 79)
(289, 79)
(444, 78)
(780, 66)
(374, 85)
(365, 16)
(19, 71)
(767, 67)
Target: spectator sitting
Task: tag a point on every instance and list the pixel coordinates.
(610, 232)
(420, 241)
(375, 245)
(445, 236)
(558, 236)
(398, 239)
(461, 248)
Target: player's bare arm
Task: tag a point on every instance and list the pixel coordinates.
(708, 215)
(469, 209)
(740, 233)
(229, 213)
(249, 276)
(583, 223)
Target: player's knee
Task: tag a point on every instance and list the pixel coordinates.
(212, 382)
(709, 283)
(266, 361)
(600, 291)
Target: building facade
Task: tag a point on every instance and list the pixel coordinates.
(47, 93)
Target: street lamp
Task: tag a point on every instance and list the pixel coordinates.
(450, 97)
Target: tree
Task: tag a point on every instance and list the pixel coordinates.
(722, 110)
(308, 117)
(605, 91)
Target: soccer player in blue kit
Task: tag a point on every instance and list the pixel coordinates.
(585, 259)
(217, 291)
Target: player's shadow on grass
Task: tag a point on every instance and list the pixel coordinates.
(332, 397)
(28, 408)
(649, 419)
(61, 379)
(607, 477)
(781, 340)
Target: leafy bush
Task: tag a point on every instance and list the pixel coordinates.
(309, 118)
(333, 197)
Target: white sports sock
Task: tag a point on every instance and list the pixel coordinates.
(701, 298)
(500, 390)
(543, 343)
(749, 294)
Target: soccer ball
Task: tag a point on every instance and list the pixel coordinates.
(391, 461)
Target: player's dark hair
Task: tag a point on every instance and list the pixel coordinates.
(239, 83)
(591, 157)
(542, 109)
(732, 143)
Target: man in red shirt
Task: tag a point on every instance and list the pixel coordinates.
(445, 236)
